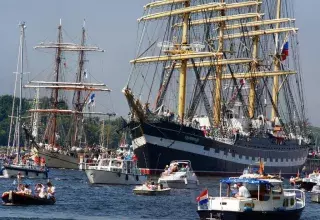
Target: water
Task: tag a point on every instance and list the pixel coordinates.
(76, 199)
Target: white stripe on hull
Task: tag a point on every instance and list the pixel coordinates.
(107, 177)
(199, 149)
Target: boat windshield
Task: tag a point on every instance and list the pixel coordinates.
(277, 189)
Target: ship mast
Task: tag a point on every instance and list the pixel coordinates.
(255, 52)
(183, 70)
(52, 141)
(79, 104)
(217, 100)
(22, 37)
(275, 88)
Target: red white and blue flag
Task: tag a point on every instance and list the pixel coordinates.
(203, 197)
(285, 51)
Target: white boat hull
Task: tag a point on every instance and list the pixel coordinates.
(179, 184)
(109, 177)
(12, 172)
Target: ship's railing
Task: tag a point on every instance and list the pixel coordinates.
(298, 195)
(85, 166)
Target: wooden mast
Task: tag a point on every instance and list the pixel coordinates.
(217, 94)
(275, 88)
(78, 105)
(56, 91)
(255, 52)
(183, 70)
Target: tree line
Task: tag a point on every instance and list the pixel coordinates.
(92, 134)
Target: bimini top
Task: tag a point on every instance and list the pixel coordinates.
(245, 180)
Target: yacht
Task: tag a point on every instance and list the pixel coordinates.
(267, 200)
(115, 171)
(179, 175)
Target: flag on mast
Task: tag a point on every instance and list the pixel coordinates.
(285, 51)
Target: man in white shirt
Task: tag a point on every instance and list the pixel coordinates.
(243, 192)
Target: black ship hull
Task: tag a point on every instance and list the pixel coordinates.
(156, 144)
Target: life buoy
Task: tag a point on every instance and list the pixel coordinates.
(127, 177)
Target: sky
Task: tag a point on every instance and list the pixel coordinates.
(112, 24)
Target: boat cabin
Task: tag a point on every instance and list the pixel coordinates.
(117, 165)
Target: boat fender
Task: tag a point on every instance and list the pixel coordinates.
(185, 181)
(198, 182)
(119, 174)
(137, 177)
(285, 203)
(37, 174)
(127, 177)
(46, 175)
(247, 209)
(26, 173)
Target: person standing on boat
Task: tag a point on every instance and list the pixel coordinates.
(42, 193)
(50, 190)
(243, 191)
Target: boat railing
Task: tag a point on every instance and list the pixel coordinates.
(87, 165)
(297, 194)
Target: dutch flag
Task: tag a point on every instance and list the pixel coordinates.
(203, 197)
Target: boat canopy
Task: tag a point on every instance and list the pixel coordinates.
(245, 180)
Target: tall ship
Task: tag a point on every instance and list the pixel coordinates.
(58, 152)
(219, 83)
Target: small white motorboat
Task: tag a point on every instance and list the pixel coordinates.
(151, 190)
(179, 175)
(315, 193)
(115, 171)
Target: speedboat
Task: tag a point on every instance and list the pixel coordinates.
(179, 175)
(15, 198)
(151, 190)
(267, 200)
(309, 182)
(315, 193)
(115, 171)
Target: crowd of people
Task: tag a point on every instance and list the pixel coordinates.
(39, 190)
